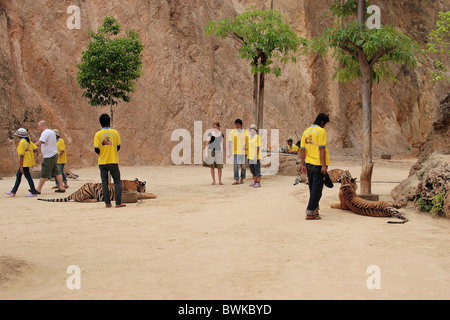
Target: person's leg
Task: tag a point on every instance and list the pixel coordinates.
(213, 176)
(243, 167)
(63, 175)
(236, 169)
(56, 173)
(17, 183)
(115, 174)
(315, 179)
(104, 176)
(219, 174)
(252, 170)
(27, 174)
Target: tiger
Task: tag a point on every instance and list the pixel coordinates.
(350, 201)
(93, 192)
(334, 175)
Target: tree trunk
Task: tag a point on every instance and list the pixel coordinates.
(261, 94)
(255, 95)
(111, 107)
(367, 164)
(362, 12)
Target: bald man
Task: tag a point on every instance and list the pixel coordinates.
(49, 150)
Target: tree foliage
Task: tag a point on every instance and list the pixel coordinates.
(439, 42)
(111, 65)
(382, 47)
(260, 32)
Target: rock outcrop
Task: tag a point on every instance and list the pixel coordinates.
(430, 176)
(189, 76)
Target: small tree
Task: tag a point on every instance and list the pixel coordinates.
(263, 37)
(365, 54)
(110, 66)
(439, 43)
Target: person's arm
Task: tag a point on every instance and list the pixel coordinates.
(322, 160)
(303, 159)
(21, 163)
(39, 143)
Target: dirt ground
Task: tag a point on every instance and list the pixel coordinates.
(198, 241)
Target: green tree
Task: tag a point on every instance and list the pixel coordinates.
(110, 66)
(365, 54)
(263, 37)
(439, 42)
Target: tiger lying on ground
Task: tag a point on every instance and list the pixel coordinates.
(350, 201)
(92, 192)
(334, 176)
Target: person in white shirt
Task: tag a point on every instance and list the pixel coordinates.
(49, 150)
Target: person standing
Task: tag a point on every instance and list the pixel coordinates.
(62, 158)
(254, 156)
(107, 145)
(214, 154)
(25, 151)
(315, 160)
(49, 150)
(239, 138)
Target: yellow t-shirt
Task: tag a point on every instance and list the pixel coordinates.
(254, 143)
(292, 148)
(25, 149)
(239, 140)
(313, 138)
(107, 141)
(61, 147)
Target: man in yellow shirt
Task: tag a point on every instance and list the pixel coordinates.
(239, 139)
(315, 161)
(62, 158)
(106, 145)
(291, 147)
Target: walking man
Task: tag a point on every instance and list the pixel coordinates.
(315, 160)
(49, 150)
(106, 145)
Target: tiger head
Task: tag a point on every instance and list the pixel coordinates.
(345, 179)
(133, 185)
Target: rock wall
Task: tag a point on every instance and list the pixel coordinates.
(189, 76)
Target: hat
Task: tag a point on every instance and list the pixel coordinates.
(253, 126)
(56, 131)
(21, 133)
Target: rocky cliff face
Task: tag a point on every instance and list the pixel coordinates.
(188, 76)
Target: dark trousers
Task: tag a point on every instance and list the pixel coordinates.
(26, 172)
(315, 182)
(115, 174)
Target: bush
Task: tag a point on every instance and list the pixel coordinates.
(435, 206)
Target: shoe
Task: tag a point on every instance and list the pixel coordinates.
(9, 193)
(60, 191)
(313, 217)
(30, 195)
(121, 205)
(252, 185)
(257, 185)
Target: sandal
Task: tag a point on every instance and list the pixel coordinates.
(121, 205)
(236, 183)
(60, 191)
(37, 192)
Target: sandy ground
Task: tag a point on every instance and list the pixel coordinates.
(197, 241)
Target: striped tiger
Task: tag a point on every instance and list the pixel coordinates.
(350, 201)
(93, 192)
